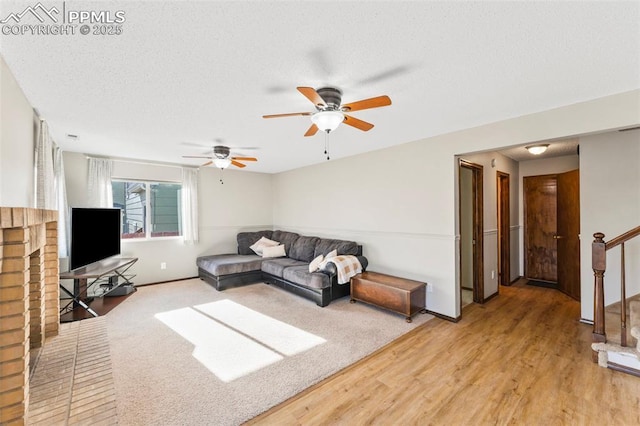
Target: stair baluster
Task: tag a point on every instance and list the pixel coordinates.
(623, 301)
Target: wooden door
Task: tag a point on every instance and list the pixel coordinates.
(568, 234)
(504, 226)
(540, 212)
(472, 201)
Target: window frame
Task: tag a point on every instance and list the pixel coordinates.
(147, 210)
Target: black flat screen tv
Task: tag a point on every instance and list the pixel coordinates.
(95, 235)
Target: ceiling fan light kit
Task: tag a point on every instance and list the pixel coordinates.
(222, 163)
(327, 121)
(537, 149)
(221, 158)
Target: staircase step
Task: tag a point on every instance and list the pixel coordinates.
(615, 307)
(612, 329)
(615, 357)
(634, 313)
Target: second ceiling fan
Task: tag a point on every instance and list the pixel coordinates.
(330, 111)
(221, 158)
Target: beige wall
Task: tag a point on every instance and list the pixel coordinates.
(609, 203)
(17, 122)
(242, 203)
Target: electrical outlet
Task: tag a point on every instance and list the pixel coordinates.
(429, 288)
(163, 265)
(493, 275)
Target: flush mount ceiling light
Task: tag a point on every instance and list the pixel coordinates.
(327, 121)
(537, 149)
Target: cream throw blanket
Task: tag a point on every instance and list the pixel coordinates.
(347, 266)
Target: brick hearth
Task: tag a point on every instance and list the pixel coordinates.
(29, 300)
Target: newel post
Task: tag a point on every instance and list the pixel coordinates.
(599, 265)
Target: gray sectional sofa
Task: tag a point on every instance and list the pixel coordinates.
(291, 272)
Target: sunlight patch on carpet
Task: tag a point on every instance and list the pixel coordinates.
(226, 353)
(232, 340)
(280, 336)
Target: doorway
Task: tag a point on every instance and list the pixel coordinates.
(504, 227)
(551, 234)
(471, 231)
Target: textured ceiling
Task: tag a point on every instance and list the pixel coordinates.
(205, 72)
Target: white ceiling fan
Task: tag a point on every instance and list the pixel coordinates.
(221, 158)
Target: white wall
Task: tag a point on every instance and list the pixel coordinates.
(400, 202)
(609, 203)
(242, 203)
(546, 166)
(17, 122)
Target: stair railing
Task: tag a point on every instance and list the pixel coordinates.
(599, 250)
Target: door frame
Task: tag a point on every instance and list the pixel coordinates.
(503, 197)
(478, 227)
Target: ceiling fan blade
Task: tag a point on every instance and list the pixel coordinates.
(237, 164)
(311, 94)
(291, 114)
(312, 130)
(207, 163)
(196, 156)
(376, 102)
(244, 158)
(358, 124)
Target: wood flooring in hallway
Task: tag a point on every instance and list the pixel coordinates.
(522, 358)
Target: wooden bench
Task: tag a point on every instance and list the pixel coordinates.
(406, 297)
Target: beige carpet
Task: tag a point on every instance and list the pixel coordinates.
(162, 378)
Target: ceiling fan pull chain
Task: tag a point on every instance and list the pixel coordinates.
(326, 135)
(326, 145)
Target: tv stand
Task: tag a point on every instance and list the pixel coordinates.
(108, 272)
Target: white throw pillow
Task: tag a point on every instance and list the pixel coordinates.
(263, 242)
(315, 263)
(332, 253)
(275, 251)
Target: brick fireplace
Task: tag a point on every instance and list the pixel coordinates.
(29, 300)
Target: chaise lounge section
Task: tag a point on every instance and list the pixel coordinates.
(290, 272)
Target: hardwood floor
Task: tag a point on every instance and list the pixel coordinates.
(521, 358)
(101, 305)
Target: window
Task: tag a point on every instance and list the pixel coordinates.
(149, 209)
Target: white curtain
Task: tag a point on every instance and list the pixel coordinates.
(100, 191)
(61, 203)
(44, 177)
(190, 205)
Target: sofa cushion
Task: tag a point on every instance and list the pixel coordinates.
(315, 263)
(274, 251)
(277, 266)
(247, 239)
(225, 264)
(286, 238)
(304, 248)
(301, 275)
(325, 245)
(261, 244)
